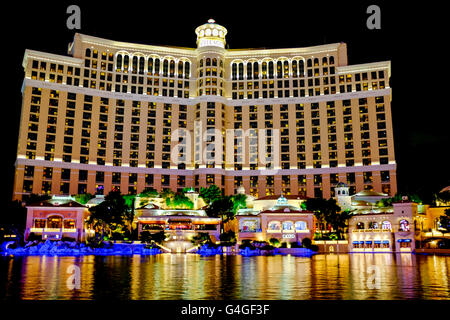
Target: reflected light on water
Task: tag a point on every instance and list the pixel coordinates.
(190, 276)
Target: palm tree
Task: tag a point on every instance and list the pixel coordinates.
(111, 214)
(179, 201)
(327, 211)
(318, 206)
(223, 208)
(239, 202)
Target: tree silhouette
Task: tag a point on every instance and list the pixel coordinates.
(111, 214)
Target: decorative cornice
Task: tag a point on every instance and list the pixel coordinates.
(195, 100)
(236, 53)
(95, 167)
(119, 45)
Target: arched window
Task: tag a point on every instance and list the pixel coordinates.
(135, 63)
(386, 225)
(172, 68)
(126, 62)
(316, 62)
(309, 63)
(88, 52)
(165, 67)
(331, 60)
(54, 222)
(288, 226)
(373, 225)
(255, 70)
(141, 65)
(300, 225)
(286, 69)
(404, 225)
(241, 71)
(119, 62)
(150, 66)
(324, 61)
(279, 69)
(270, 69)
(264, 70)
(249, 225)
(301, 68)
(180, 69)
(208, 61)
(274, 225)
(249, 70)
(233, 71)
(360, 225)
(157, 66)
(187, 69)
(214, 62)
(201, 63)
(294, 68)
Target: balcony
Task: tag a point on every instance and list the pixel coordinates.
(53, 230)
(371, 230)
(288, 231)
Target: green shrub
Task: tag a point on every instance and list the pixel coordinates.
(117, 236)
(32, 237)
(274, 241)
(246, 244)
(306, 243)
(295, 244)
(267, 247)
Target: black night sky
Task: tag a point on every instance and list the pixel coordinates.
(411, 36)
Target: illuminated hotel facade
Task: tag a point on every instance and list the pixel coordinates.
(110, 116)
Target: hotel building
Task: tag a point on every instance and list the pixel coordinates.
(116, 115)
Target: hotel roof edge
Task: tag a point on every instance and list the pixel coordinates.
(365, 66)
(132, 46)
(50, 57)
(185, 50)
(309, 49)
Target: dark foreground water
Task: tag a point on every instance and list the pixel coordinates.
(189, 276)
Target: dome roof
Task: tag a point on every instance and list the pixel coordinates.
(282, 200)
(370, 193)
(211, 34)
(241, 189)
(341, 185)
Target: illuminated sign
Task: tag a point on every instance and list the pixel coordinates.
(210, 43)
(288, 236)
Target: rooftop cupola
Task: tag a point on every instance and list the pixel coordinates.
(282, 200)
(211, 34)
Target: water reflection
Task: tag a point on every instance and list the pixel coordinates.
(189, 276)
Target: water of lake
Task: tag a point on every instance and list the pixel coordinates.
(191, 277)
